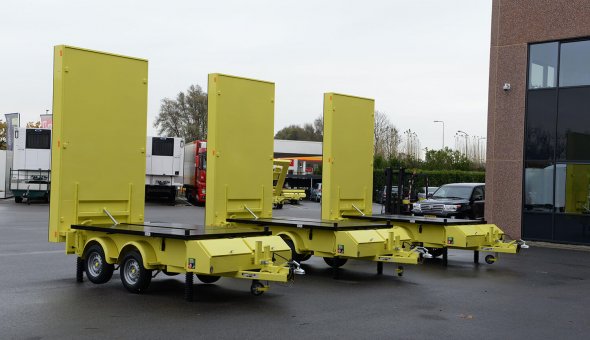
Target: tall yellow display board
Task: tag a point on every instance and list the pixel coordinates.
(239, 148)
(99, 104)
(347, 156)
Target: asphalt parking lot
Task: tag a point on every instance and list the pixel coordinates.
(541, 293)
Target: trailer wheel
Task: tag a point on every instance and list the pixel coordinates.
(133, 274)
(18, 199)
(294, 254)
(490, 259)
(435, 252)
(335, 262)
(208, 278)
(97, 269)
(172, 197)
(257, 288)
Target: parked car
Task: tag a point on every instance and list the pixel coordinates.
(316, 192)
(457, 200)
(422, 193)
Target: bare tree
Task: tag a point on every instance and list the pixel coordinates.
(185, 117)
(318, 125)
(3, 132)
(387, 138)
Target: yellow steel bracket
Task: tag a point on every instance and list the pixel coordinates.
(347, 160)
(98, 145)
(280, 168)
(239, 148)
(394, 246)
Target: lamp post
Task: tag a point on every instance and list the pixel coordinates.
(466, 141)
(443, 125)
(479, 150)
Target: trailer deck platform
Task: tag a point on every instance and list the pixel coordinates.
(173, 230)
(311, 223)
(415, 219)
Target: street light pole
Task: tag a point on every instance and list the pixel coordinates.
(479, 151)
(443, 125)
(466, 141)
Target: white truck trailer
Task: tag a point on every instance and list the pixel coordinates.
(5, 165)
(30, 174)
(164, 167)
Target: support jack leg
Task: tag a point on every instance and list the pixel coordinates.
(476, 257)
(379, 268)
(188, 287)
(79, 269)
(445, 261)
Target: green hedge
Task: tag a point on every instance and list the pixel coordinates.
(436, 177)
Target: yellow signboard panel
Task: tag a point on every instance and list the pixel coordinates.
(239, 148)
(347, 173)
(98, 144)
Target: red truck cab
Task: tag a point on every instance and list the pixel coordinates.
(195, 171)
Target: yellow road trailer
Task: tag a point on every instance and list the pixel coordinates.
(98, 164)
(280, 194)
(345, 161)
(437, 235)
(440, 234)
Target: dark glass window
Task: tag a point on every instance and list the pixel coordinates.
(556, 197)
(203, 161)
(538, 186)
(572, 188)
(537, 226)
(574, 64)
(573, 124)
(572, 228)
(162, 146)
(572, 203)
(38, 139)
(543, 65)
(541, 117)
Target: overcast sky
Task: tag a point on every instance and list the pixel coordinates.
(420, 60)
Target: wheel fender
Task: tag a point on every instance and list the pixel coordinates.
(404, 233)
(109, 247)
(297, 241)
(146, 250)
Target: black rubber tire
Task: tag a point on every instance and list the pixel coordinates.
(208, 278)
(97, 269)
(305, 258)
(335, 262)
(134, 276)
(435, 252)
(172, 198)
(294, 254)
(490, 259)
(18, 199)
(190, 198)
(254, 288)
